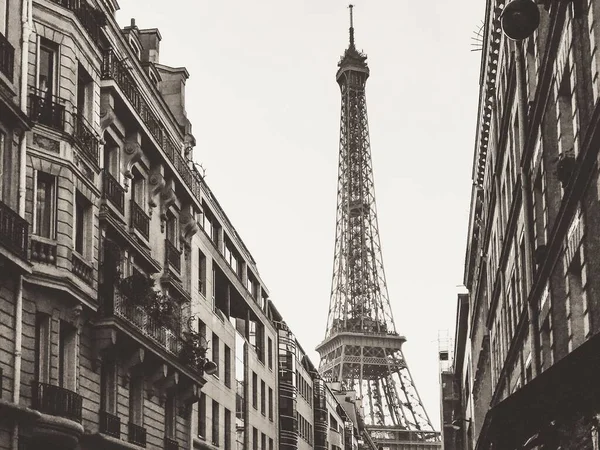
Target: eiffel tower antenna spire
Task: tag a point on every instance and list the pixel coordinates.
(350, 7)
(362, 349)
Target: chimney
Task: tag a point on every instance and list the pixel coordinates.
(172, 88)
(150, 39)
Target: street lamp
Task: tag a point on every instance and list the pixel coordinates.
(520, 19)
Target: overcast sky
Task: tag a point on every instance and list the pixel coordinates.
(265, 108)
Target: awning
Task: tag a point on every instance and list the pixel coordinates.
(570, 386)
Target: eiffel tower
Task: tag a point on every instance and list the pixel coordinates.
(362, 350)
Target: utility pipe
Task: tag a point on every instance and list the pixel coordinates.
(26, 22)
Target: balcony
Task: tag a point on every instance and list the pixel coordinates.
(139, 318)
(56, 401)
(136, 434)
(46, 110)
(113, 191)
(110, 424)
(85, 138)
(91, 19)
(172, 256)
(14, 231)
(139, 219)
(114, 69)
(43, 250)
(171, 444)
(82, 269)
(7, 58)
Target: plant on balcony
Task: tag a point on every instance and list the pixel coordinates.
(139, 290)
(193, 349)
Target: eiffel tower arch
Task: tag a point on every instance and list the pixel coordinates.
(362, 349)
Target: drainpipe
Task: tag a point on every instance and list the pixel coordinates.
(26, 22)
(525, 194)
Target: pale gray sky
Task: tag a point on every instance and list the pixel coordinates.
(265, 108)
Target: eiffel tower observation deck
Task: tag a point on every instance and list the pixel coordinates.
(362, 351)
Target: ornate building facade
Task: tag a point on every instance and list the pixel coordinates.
(528, 335)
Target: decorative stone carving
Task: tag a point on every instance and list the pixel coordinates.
(157, 183)
(46, 143)
(188, 224)
(132, 153)
(107, 118)
(189, 142)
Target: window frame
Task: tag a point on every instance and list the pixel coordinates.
(52, 180)
(53, 49)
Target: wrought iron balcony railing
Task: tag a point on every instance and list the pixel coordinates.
(7, 57)
(85, 138)
(56, 401)
(46, 110)
(14, 231)
(91, 19)
(139, 219)
(172, 255)
(110, 424)
(115, 69)
(113, 191)
(171, 444)
(136, 434)
(138, 317)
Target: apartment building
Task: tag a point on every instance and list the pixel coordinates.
(127, 290)
(312, 414)
(530, 330)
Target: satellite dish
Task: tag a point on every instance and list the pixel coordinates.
(520, 19)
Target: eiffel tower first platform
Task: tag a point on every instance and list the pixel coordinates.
(362, 350)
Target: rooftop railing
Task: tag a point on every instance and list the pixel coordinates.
(114, 69)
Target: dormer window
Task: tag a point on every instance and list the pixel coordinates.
(135, 47)
(153, 78)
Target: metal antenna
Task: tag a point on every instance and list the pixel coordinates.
(351, 26)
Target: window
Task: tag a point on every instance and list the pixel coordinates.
(108, 386)
(254, 391)
(42, 348)
(270, 352)
(201, 272)
(215, 351)
(45, 205)
(172, 229)
(170, 415)
(202, 416)
(270, 404)
(46, 75)
(254, 439)
(136, 400)
(82, 212)
(270, 444)
(227, 423)
(215, 423)
(67, 351)
(227, 358)
(263, 441)
(85, 92)
(263, 397)
(4, 17)
(138, 190)
(135, 47)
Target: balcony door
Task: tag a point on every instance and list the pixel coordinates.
(47, 68)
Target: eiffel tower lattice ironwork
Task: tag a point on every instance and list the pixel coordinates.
(362, 349)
